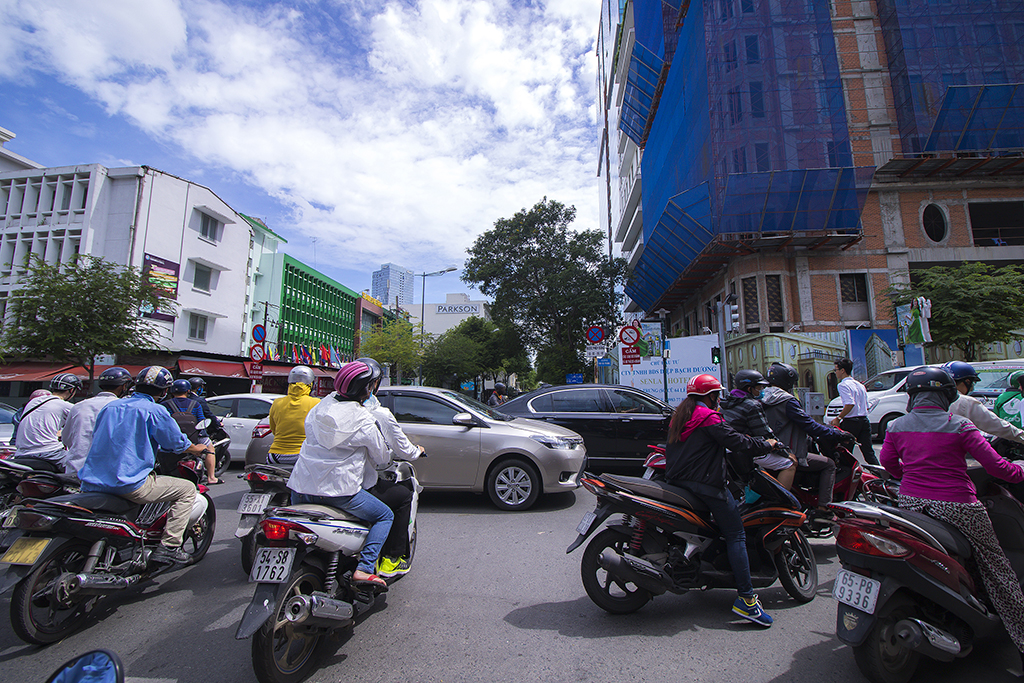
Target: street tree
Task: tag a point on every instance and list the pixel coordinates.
(973, 304)
(453, 357)
(394, 343)
(547, 281)
(502, 352)
(74, 311)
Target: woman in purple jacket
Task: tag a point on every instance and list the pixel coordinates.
(927, 449)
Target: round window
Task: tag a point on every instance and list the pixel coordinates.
(934, 221)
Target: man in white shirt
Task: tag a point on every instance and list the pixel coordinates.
(853, 418)
(114, 383)
(968, 406)
(41, 423)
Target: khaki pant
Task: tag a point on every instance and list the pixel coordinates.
(179, 492)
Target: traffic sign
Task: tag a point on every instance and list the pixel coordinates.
(630, 355)
(596, 350)
(255, 371)
(574, 378)
(256, 353)
(629, 335)
(604, 362)
(259, 333)
(595, 334)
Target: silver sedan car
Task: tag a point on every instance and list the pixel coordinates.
(471, 447)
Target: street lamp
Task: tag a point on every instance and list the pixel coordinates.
(423, 304)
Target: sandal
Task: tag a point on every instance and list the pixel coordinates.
(214, 483)
(372, 580)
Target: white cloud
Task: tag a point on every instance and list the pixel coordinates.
(410, 125)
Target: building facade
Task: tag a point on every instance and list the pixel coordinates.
(804, 155)
(393, 285)
(439, 318)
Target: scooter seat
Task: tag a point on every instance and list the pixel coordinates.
(97, 502)
(948, 535)
(321, 511)
(658, 490)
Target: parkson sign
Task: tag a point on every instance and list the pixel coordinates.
(471, 309)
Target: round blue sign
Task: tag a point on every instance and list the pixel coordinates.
(259, 333)
(595, 334)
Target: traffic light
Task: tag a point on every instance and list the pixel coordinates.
(716, 355)
(734, 318)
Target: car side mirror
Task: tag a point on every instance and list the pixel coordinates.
(667, 412)
(464, 419)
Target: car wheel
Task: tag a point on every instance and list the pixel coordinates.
(883, 426)
(513, 484)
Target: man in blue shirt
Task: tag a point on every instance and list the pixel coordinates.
(122, 456)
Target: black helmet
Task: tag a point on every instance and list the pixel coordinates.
(65, 381)
(747, 379)
(181, 386)
(154, 380)
(112, 378)
(500, 388)
(932, 379)
(375, 369)
(198, 385)
(783, 376)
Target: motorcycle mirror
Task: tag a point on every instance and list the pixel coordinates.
(97, 666)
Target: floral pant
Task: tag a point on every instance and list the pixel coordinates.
(996, 573)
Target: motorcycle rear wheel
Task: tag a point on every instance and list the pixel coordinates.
(609, 593)
(222, 462)
(798, 570)
(882, 658)
(37, 616)
(282, 653)
(199, 536)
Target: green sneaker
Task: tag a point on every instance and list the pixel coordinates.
(389, 566)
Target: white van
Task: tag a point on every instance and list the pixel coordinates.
(887, 396)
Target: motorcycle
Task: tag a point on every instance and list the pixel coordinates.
(19, 479)
(77, 548)
(221, 443)
(904, 590)
(268, 487)
(305, 556)
(666, 540)
(851, 480)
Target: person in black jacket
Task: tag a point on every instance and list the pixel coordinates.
(695, 460)
(745, 413)
(787, 418)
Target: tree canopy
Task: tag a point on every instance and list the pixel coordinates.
(74, 311)
(473, 348)
(548, 282)
(393, 342)
(972, 305)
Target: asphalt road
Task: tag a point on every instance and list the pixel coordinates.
(492, 597)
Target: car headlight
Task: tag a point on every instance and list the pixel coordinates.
(558, 443)
(872, 404)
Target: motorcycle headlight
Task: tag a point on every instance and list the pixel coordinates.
(558, 443)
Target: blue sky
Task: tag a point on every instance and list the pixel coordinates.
(385, 131)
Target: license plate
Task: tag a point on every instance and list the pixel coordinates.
(253, 503)
(25, 550)
(10, 519)
(272, 565)
(855, 590)
(585, 523)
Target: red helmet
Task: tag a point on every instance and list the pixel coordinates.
(702, 385)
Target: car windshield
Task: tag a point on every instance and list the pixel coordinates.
(476, 406)
(886, 380)
(995, 379)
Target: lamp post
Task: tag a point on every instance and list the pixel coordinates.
(423, 306)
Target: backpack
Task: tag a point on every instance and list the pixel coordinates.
(186, 419)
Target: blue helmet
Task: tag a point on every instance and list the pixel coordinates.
(181, 386)
(154, 380)
(961, 371)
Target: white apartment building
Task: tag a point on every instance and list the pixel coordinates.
(177, 232)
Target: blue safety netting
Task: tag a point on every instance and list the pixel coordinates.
(641, 81)
(984, 117)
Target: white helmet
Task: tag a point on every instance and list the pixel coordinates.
(300, 374)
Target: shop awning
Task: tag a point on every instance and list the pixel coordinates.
(212, 368)
(33, 372)
(283, 370)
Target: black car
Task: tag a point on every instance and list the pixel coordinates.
(617, 423)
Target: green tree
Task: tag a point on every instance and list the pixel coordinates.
(547, 281)
(502, 352)
(75, 311)
(972, 305)
(453, 357)
(393, 343)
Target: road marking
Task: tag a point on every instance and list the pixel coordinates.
(230, 619)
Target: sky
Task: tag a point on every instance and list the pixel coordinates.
(362, 131)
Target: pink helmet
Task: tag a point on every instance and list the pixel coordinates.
(352, 380)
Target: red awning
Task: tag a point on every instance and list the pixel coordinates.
(212, 368)
(283, 370)
(33, 372)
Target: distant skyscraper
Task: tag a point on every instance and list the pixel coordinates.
(393, 281)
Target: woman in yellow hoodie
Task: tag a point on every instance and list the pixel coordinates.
(288, 415)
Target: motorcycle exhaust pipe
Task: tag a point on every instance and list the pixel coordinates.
(96, 584)
(637, 571)
(316, 610)
(927, 639)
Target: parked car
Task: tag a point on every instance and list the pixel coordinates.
(240, 413)
(6, 425)
(617, 423)
(471, 447)
(995, 376)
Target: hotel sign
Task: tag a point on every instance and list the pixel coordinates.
(458, 309)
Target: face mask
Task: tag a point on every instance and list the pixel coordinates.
(372, 403)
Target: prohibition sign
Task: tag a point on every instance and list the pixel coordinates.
(256, 353)
(595, 334)
(629, 335)
(259, 333)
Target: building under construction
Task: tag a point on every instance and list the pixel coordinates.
(805, 154)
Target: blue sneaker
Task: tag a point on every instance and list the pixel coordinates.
(750, 609)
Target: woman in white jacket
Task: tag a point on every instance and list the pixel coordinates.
(342, 442)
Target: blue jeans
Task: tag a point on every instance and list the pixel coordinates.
(727, 515)
(367, 508)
